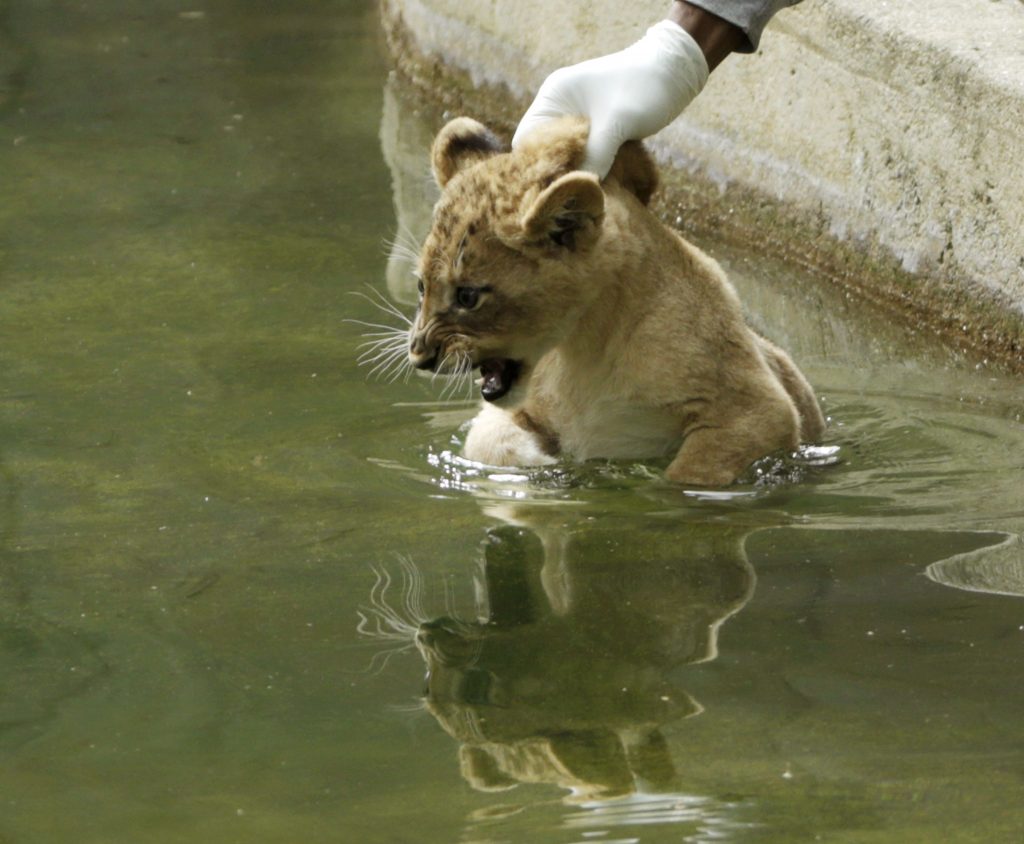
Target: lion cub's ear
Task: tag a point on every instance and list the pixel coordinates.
(460, 144)
(568, 212)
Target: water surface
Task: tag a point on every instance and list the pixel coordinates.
(219, 539)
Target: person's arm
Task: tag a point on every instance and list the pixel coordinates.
(715, 36)
(636, 92)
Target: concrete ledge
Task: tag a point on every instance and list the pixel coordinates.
(880, 142)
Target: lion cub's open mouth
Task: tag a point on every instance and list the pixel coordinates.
(497, 377)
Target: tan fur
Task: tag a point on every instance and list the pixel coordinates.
(631, 339)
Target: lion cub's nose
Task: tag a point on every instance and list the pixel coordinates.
(423, 360)
(422, 355)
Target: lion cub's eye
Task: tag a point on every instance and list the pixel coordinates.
(467, 297)
(420, 286)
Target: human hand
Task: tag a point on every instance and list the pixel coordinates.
(626, 95)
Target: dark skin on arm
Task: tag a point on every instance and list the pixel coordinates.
(715, 37)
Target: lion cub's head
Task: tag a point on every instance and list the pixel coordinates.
(516, 236)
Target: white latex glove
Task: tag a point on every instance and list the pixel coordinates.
(627, 95)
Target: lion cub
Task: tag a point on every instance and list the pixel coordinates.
(597, 330)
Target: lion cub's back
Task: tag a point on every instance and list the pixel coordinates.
(695, 343)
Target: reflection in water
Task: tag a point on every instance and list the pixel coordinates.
(572, 667)
(405, 143)
(572, 670)
(997, 569)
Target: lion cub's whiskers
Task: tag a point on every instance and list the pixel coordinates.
(386, 355)
(459, 375)
(388, 340)
(404, 245)
(392, 366)
(385, 349)
(402, 251)
(379, 301)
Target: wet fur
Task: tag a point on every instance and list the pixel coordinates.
(632, 340)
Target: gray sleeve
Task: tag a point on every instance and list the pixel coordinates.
(749, 15)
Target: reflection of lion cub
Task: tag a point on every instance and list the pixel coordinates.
(598, 331)
(575, 670)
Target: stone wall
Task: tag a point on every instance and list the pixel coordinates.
(881, 142)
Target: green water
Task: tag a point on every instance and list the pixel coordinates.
(217, 536)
